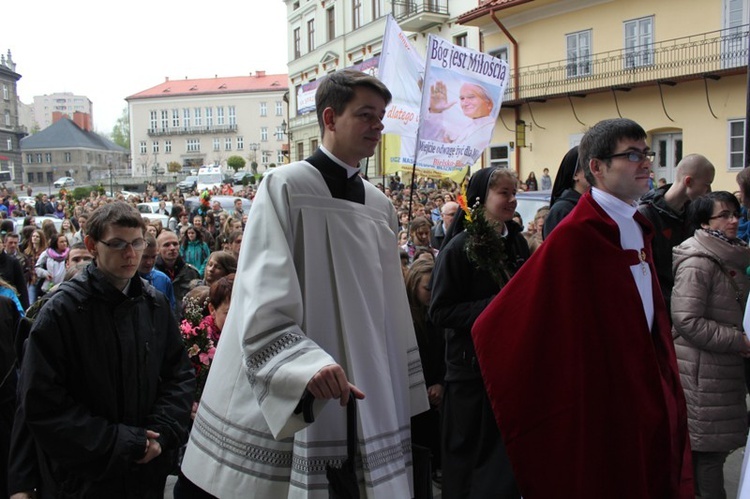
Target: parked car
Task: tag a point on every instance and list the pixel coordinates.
(38, 221)
(529, 202)
(148, 210)
(239, 177)
(64, 182)
(189, 184)
(227, 203)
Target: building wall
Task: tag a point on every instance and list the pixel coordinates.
(552, 125)
(349, 46)
(248, 132)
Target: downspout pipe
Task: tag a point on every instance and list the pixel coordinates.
(514, 43)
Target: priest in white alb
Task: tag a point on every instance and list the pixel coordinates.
(319, 306)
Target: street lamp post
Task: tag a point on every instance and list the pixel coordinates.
(288, 134)
(254, 146)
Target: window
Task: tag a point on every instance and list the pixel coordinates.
(311, 35)
(356, 14)
(279, 108)
(69, 158)
(6, 92)
(31, 177)
(377, 8)
(264, 134)
(39, 177)
(168, 146)
(228, 144)
(155, 147)
(186, 117)
(209, 116)
(279, 133)
(38, 157)
(297, 43)
(232, 115)
(220, 116)
(499, 156)
(330, 24)
(198, 117)
(29, 158)
(266, 157)
(734, 41)
(579, 53)
(279, 156)
(639, 42)
(164, 119)
(175, 118)
(240, 143)
(193, 145)
(737, 144)
(7, 117)
(47, 157)
(217, 144)
(142, 147)
(153, 120)
(460, 40)
(263, 109)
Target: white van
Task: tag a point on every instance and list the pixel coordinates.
(209, 177)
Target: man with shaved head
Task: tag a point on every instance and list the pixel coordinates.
(665, 208)
(171, 263)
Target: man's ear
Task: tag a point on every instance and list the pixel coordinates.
(90, 245)
(329, 119)
(595, 165)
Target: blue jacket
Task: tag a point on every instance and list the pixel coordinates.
(163, 283)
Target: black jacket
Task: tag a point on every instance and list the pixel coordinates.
(460, 292)
(12, 271)
(562, 207)
(670, 230)
(100, 368)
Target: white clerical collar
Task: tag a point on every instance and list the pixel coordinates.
(350, 170)
(611, 204)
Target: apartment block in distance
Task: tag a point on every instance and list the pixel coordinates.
(62, 103)
(197, 122)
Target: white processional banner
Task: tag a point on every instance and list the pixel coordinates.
(461, 100)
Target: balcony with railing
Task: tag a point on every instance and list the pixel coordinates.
(191, 130)
(418, 15)
(712, 54)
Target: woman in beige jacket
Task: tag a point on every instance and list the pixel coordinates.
(708, 302)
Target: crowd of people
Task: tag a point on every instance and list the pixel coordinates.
(223, 346)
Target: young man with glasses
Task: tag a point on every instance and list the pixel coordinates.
(665, 208)
(587, 395)
(106, 387)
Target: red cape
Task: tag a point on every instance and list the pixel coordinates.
(587, 399)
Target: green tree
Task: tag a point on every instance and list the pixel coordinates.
(236, 163)
(121, 130)
(174, 167)
(254, 167)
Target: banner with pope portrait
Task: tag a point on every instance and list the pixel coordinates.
(461, 98)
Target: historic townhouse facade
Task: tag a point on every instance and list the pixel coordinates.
(11, 131)
(197, 122)
(677, 68)
(326, 35)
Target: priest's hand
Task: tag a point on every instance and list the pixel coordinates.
(331, 383)
(439, 98)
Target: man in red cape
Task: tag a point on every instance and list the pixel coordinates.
(576, 351)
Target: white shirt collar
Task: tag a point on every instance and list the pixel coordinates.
(612, 204)
(350, 170)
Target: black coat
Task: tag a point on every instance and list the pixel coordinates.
(460, 292)
(670, 230)
(561, 209)
(12, 271)
(100, 368)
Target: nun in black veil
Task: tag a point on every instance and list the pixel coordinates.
(570, 184)
(481, 252)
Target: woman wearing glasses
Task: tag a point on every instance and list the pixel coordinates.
(708, 303)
